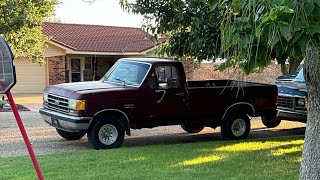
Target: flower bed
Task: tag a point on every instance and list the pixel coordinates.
(5, 106)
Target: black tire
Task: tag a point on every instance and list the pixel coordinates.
(192, 128)
(270, 122)
(106, 133)
(70, 135)
(235, 127)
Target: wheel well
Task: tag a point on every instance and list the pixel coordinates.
(120, 116)
(240, 108)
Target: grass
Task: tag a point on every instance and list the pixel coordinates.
(277, 158)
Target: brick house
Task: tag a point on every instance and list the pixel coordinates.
(79, 52)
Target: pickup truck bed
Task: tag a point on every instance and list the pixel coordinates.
(208, 97)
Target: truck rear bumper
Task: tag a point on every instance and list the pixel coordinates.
(291, 115)
(65, 122)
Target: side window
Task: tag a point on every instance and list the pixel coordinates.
(152, 82)
(168, 74)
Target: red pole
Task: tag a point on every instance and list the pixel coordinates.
(24, 135)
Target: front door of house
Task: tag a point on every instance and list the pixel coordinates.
(75, 70)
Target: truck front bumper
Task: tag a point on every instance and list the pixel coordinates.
(65, 122)
(291, 115)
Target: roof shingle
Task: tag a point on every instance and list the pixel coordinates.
(96, 38)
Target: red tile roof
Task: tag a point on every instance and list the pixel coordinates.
(96, 38)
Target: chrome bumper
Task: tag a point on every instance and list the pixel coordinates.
(291, 115)
(65, 122)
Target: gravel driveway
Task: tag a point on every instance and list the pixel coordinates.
(45, 140)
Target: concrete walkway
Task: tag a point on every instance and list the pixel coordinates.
(28, 98)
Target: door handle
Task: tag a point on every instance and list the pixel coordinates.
(164, 93)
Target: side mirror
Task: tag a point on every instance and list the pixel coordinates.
(163, 86)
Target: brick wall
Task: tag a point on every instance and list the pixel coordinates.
(206, 71)
(56, 66)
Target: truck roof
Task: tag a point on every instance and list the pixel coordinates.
(151, 60)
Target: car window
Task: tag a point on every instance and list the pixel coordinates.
(128, 73)
(168, 74)
(300, 76)
(152, 82)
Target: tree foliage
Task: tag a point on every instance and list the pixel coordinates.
(275, 29)
(254, 32)
(193, 27)
(20, 24)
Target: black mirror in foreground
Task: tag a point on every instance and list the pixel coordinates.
(7, 81)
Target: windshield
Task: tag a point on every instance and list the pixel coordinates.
(127, 73)
(300, 76)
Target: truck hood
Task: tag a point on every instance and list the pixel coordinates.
(300, 86)
(295, 81)
(67, 89)
(286, 77)
(291, 91)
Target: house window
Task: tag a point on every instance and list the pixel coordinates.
(88, 63)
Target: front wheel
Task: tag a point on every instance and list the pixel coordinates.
(235, 127)
(70, 135)
(106, 133)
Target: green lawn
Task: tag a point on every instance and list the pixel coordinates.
(276, 158)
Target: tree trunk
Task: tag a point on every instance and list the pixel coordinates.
(284, 69)
(310, 165)
(294, 64)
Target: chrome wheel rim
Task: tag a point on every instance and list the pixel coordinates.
(238, 127)
(108, 134)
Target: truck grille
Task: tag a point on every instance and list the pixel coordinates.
(58, 103)
(285, 101)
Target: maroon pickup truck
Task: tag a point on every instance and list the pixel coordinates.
(149, 92)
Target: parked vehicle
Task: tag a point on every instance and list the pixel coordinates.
(292, 102)
(149, 92)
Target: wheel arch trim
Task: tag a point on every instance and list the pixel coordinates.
(127, 129)
(238, 104)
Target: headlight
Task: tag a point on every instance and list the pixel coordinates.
(77, 104)
(45, 97)
(301, 102)
(306, 103)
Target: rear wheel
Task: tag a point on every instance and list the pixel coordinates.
(70, 135)
(270, 122)
(235, 127)
(106, 133)
(192, 128)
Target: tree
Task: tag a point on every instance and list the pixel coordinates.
(192, 27)
(252, 33)
(274, 28)
(20, 24)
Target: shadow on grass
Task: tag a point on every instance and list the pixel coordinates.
(181, 138)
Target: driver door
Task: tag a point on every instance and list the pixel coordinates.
(168, 99)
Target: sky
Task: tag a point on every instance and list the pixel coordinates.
(101, 12)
